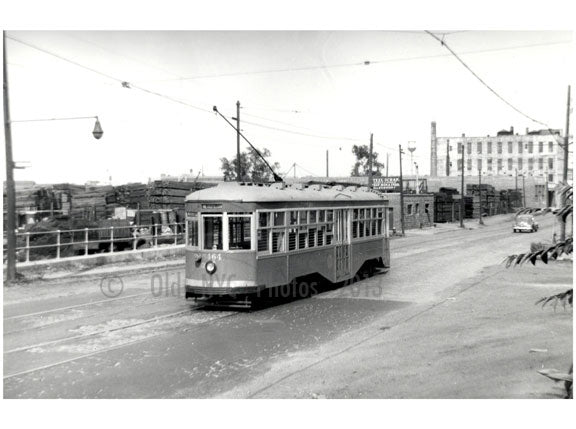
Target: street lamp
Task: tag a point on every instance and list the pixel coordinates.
(97, 132)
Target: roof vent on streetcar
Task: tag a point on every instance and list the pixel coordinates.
(352, 188)
(316, 187)
(278, 185)
(298, 186)
(338, 188)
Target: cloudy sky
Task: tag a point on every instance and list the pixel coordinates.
(302, 93)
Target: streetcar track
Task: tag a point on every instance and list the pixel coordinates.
(119, 346)
(89, 316)
(92, 334)
(38, 313)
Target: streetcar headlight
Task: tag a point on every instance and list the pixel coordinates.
(210, 267)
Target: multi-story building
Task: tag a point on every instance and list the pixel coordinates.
(535, 153)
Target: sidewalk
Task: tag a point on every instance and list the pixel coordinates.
(469, 224)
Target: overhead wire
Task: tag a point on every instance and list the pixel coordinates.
(443, 43)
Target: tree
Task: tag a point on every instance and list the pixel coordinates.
(361, 166)
(546, 254)
(252, 167)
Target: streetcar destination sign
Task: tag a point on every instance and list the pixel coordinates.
(390, 183)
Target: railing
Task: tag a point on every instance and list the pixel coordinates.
(80, 242)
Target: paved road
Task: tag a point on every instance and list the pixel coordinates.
(66, 339)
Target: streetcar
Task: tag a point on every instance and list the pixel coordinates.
(246, 238)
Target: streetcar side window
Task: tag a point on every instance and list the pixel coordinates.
(239, 237)
(213, 232)
(192, 230)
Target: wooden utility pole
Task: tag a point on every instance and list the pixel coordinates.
(401, 191)
(327, 171)
(238, 169)
(565, 166)
(480, 220)
(370, 162)
(10, 187)
(387, 163)
(462, 187)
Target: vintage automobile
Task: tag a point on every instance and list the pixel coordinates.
(525, 223)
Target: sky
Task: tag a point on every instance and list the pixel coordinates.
(302, 93)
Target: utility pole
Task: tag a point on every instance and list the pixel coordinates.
(401, 191)
(448, 158)
(294, 170)
(387, 163)
(565, 166)
(523, 191)
(238, 169)
(370, 162)
(417, 181)
(10, 187)
(480, 221)
(462, 187)
(327, 171)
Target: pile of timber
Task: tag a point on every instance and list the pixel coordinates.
(172, 194)
(131, 195)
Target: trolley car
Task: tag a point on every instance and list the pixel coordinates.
(244, 238)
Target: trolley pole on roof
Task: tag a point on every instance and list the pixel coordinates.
(401, 191)
(238, 169)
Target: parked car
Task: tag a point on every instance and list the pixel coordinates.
(525, 223)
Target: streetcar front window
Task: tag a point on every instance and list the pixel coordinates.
(192, 231)
(213, 232)
(239, 235)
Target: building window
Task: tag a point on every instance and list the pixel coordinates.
(551, 163)
(520, 164)
(409, 209)
(550, 177)
(540, 163)
(531, 164)
(499, 147)
(499, 165)
(510, 163)
(459, 147)
(510, 146)
(520, 147)
(479, 147)
(550, 147)
(459, 164)
(540, 147)
(469, 148)
(489, 147)
(479, 164)
(468, 164)
(530, 147)
(489, 164)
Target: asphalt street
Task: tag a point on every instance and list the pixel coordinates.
(447, 295)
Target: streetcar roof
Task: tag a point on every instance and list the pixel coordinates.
(259, 192)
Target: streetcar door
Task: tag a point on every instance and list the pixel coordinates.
(342, 244)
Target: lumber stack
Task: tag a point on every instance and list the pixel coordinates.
(171, 194)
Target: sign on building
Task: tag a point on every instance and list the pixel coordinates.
(391, 183)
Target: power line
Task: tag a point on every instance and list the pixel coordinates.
(486, 85)
(353, 64)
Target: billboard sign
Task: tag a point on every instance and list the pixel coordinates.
(390, 183)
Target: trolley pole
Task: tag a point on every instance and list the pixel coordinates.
(238, 169)
(10, 187)
(370, 162)
(565, 164)
(401, 191)
(462, 187)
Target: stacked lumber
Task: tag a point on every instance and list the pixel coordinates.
(131, 195)
(172, 194)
